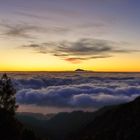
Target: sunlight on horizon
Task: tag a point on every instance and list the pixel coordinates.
(48, 36)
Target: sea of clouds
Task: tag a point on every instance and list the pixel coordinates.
(76, 90)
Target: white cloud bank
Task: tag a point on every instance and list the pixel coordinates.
(76, 91)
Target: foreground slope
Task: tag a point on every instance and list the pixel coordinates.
(120, 122)
(12, 129)
(59, 126)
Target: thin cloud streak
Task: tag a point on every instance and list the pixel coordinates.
(21, 30)
(30, 15)
(80, 59)
(25, 30)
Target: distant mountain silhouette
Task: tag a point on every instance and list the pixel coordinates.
(80, 70)
(10, 127)
(120, 122)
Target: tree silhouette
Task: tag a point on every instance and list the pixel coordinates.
(7, 95)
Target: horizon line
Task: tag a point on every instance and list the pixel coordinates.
(7, 71)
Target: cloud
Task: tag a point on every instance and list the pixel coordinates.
(76, 91)
(80, 50)
(79, 59)
(34, 16)
(76, 96)
(22, 30)
(100, 100)
(25, 30)
(97, 27)
(52, 14)
(92, 25)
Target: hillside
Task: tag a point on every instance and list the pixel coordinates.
(12, 129)
(122, 122)
(59, 126)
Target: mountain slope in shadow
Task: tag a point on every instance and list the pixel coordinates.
(120, 122)
(59, 126)
(12, 129)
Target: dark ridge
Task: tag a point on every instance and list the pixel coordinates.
(120, 122)
(79, 70)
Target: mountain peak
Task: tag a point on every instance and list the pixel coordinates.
(79, 70)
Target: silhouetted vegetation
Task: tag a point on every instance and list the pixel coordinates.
(7, 95)
(120, 122)
(10, 127)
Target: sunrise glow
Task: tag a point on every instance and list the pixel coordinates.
(66, 35)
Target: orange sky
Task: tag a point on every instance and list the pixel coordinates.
(64, 36)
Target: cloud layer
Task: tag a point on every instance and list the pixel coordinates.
(76, 91)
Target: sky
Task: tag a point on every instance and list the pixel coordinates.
(59, 35)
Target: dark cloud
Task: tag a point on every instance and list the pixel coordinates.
(32, 46)
(82, 49)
